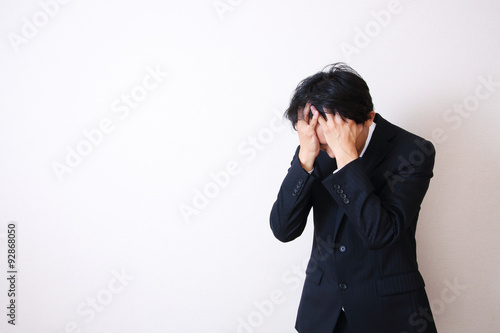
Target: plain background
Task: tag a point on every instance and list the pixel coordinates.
(229, 78)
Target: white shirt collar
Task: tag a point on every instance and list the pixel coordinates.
(370, 133)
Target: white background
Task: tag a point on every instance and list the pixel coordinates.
(119, 208)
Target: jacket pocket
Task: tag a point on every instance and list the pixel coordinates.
(400, 283)
(314, 272)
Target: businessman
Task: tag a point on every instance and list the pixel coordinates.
(365, 179)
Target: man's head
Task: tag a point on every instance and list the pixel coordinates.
(336, 89)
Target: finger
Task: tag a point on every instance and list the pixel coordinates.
(353, 126)
(338, 119)
(350, 121)
(315, 117)
(306, 110)
(301, 123)
(322, 122)
(330, 119)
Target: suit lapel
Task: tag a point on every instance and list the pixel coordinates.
(378, 147)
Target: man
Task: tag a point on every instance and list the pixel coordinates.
(366, 179)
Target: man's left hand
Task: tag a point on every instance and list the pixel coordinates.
(341, 136)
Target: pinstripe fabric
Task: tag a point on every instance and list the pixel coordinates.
(363, 256)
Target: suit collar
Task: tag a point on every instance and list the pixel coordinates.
(379, 145)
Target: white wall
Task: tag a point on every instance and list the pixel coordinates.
(117, 210)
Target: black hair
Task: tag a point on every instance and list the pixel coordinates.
(337, 88)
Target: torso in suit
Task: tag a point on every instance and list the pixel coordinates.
(363, 257)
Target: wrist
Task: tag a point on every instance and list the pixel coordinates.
(306, 163)
(344, 159)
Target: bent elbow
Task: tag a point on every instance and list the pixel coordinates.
(280, 234)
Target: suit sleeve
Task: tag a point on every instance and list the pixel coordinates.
(382, 215)
(290, 210)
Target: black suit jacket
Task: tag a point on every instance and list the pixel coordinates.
(364, 253)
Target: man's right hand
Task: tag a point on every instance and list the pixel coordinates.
(309, 143)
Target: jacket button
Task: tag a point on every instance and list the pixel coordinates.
(343, 286)
(343, 196)
(346, 201)
(342, 248)
(340, 191)
(336, 186)
(300, 181)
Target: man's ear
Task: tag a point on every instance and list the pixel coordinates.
(369, 122)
